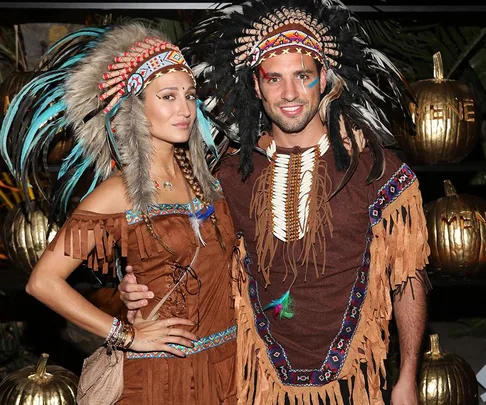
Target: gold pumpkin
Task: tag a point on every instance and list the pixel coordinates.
(446, 127)
(60, 149)
(457, 233)
(3, 252)
(446, 379)
(26, 235)
(39, 385)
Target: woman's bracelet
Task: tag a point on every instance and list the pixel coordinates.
(121, 335)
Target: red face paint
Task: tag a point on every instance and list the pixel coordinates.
(264, 74)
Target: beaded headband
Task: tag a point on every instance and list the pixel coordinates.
(298, 33)
(135, 70)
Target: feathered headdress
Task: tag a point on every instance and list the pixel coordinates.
(234, 40)
(93, 77)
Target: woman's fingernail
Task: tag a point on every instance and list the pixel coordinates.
(151, 294)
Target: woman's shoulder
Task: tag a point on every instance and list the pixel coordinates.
(108, 198)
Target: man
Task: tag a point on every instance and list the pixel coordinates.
(328, 235)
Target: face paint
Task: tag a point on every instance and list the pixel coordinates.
(264, 74)
(302, 80)
(314, 82)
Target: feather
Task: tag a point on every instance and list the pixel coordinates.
(70, 160)
(40, 122)
(205, 128)
(115, 153)
(282, 307)
(94, 183)
(196, 227)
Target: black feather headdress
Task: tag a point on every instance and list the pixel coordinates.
(233, 40)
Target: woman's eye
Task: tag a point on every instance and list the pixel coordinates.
(165, 97)
(191, 97)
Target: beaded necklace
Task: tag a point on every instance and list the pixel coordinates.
(292, 177)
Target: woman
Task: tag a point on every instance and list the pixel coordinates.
(132, 103)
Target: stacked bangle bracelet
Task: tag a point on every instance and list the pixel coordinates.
(121, 335)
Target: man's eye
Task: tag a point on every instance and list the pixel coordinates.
(273, 80)
(303, 77)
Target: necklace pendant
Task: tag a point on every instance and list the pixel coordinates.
(167, 186)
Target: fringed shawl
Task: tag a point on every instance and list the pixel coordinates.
(397, 251)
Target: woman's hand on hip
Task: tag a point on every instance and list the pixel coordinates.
(156, 335)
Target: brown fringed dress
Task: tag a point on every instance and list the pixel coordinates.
(203, 378)
(334, 347)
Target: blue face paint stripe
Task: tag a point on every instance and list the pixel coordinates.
(314, 82)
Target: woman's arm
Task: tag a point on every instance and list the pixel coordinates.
(48, 284)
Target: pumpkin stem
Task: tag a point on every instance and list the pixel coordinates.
(449, 189)
(40, 368)
(435, 346)
(438, 66)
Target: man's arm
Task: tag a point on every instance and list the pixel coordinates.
(134, 296)
(411, 315)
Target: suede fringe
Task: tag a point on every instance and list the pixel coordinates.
(106, 230)
(296, 253)
(401, 249)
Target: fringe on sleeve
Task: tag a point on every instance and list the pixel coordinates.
(401, 240)
(107, 231)
(398, 252)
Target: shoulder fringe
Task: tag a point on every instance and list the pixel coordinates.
(106, 230)
(402, 249)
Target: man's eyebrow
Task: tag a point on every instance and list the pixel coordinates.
(272, 74)
(299, 72)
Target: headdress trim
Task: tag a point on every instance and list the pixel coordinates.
(283, 42)
(134, 71)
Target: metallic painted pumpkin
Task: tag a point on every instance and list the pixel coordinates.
(483, 137)
(60, 150)
(446, 124)
(39, 385)
(479, 179)
(3, 252)
(26, 235)
(446, 379)
(457, 233)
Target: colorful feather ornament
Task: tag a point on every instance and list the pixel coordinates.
(205, 128)
(282, 307)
